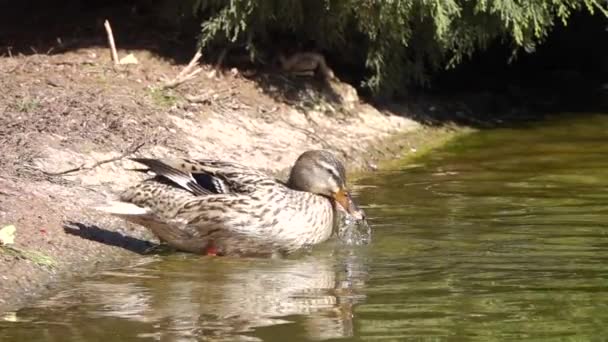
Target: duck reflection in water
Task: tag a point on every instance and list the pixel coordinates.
(182, 298)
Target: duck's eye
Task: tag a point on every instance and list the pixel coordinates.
(333, 174)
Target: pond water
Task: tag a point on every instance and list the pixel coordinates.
(501, 235)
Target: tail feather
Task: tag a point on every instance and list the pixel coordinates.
(119, 208)
(170, 233)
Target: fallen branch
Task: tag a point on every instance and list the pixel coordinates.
(187, 73)
(190, 65)
(106, 24)
(203, 98)
(309, 134)
(6, 193)
(82, 167)
(209, 96)
(18, 66)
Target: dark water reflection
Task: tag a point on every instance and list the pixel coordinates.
(500, 236)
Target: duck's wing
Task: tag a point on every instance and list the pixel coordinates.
(205, 176)
(194, 223)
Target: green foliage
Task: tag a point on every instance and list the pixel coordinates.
(27, 104)
(163, 98)
(398, 41)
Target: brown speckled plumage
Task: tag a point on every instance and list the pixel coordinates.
(195, 205)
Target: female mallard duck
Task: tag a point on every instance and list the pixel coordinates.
(222, 208)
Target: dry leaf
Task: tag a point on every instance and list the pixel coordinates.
(128, 59)
(10, 317)
(7, 235)
(211, 74)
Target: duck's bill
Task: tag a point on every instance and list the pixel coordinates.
(344, 199)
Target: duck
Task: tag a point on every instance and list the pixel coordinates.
(215, 207)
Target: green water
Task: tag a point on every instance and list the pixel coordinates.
(502, 235)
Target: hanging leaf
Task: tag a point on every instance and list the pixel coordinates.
(393, 43)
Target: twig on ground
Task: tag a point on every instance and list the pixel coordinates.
(191, 64)
(308, 133)
(18, 66)
(187, 73)
(71, 63)
(6, 193)
(264, 110)
(106, 24)
(202, 98)
(210, 95)
(82, 167)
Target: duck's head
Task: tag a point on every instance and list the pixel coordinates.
(321, 173)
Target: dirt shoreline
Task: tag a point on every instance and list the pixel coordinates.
(75, 110)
